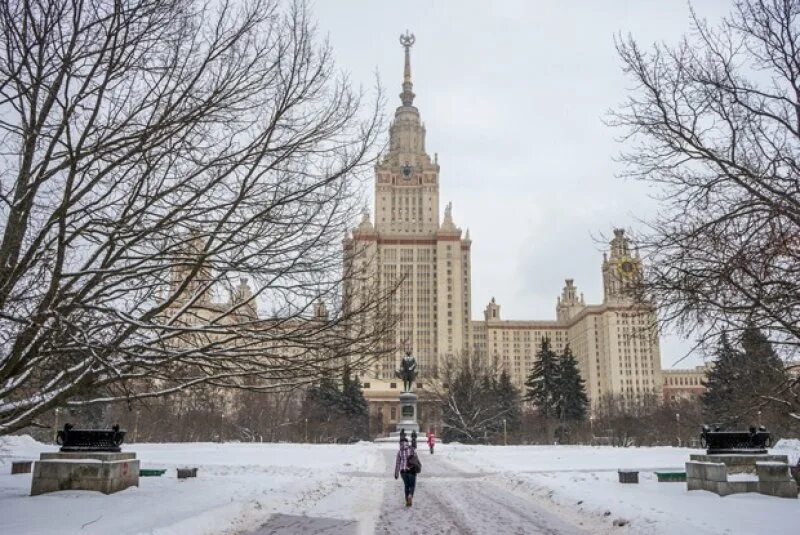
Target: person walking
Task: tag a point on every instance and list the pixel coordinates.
(414, 440)
(431, 441)
(407, 466)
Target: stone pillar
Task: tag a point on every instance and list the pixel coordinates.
(408, 413)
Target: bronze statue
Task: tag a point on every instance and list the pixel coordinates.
(407, 371)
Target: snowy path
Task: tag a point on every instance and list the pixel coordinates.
(450, 500)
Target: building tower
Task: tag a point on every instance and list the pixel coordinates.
(621, 269)
(409, 245)
(569, 304)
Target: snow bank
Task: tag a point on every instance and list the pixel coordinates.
(21, 447)
(789, 447)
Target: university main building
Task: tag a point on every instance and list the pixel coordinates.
(407, 243)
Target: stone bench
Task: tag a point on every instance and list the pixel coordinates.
(628, 476)
(183, 473)
(21, 467)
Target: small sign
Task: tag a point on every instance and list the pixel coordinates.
(407, 411)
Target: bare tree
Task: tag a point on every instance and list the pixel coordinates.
(473, 406)
(154, 152)
(715, 123)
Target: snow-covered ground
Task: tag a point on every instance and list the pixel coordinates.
(296, 488)
(584, 478)
(239, 486)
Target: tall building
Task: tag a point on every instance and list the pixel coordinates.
(615, 342)
(406, 244)
(409, 246)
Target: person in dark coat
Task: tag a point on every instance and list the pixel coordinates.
(414, 440)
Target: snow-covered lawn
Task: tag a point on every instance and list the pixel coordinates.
(240, 486)
(585, 478)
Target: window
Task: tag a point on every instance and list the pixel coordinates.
(393, 385)
(366, 385)
(394, 413)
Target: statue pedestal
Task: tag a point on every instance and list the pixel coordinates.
(106, 472)
(408, 418)
(408, 413)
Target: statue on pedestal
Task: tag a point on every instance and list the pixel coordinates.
(407, 371)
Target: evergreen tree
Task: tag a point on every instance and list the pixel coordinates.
(572, 399)
(766, 369)
(353, 406)
(322, 400)
(737, 386)
(723, 383)
(542, 383)
(508, 399)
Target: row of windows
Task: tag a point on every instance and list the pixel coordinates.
(683, 381)
(392, 385)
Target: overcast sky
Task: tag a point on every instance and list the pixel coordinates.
(513, 95)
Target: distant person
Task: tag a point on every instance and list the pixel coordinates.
(407, 466)
(431, 441)
(414, 439)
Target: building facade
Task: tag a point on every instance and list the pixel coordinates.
(685, 384)
(409, 247)
(615, 342)
(406, 245)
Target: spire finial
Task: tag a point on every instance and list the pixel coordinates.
(407, 96)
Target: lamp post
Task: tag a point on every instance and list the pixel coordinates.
(505, 433)
(759, 418)
(678, 427)
(306, 433)
(136, 427)
(55, 431)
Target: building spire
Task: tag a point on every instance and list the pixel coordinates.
(407, 96)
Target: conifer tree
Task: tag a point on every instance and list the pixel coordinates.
(343, 412)
(321, 404)
(723, 383)
(741, 380)
(571, 389)
(766, 369)
(353, 406)
(542, 383)
(509, 402)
